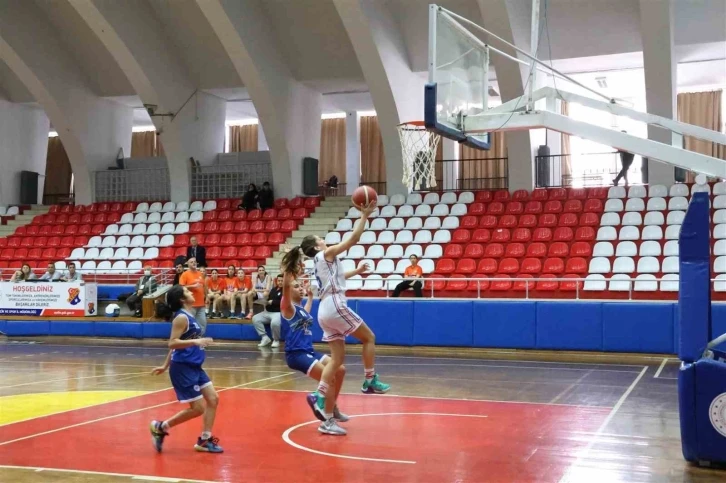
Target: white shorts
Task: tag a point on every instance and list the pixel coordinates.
(336, 319)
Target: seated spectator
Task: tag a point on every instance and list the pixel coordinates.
(51, 275)
(230, 286)
(412, 279)
(261, 286)
(145, 286)
(271, 316)
(242, 294)
(197, 251)
(179, 269)
(71, 275)
(215, 288)
(266, 197)
(249, 199)
(25, 273)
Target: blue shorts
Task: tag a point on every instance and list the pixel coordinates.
(303, 361)
(188, 381)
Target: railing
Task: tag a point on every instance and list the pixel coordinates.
(150, 184)
(553, 171)
(228, 181)
(379, 186)
(339, 190)
(469, 174)
(58, 198)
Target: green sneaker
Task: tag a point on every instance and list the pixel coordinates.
(317, 405)
(375, 386)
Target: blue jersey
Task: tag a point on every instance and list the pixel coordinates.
(296, 331)
(193, 354)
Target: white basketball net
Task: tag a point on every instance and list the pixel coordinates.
(418, 146)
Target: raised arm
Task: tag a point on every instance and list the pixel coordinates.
(309, 303)
(362, 268)
(286, 308)
(333, 251)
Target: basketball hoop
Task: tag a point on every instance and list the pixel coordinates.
(418, 146)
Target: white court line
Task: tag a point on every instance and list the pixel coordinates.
(286, 436)
(503, 367)
(84, 423)
(570, 388)
(49, 381)
(38, 469)
(151, 366)
(604, 424)
(660, 368)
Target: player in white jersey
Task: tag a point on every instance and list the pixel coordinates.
(335, 317)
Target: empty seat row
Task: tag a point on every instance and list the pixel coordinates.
(9, 211)
(171, 207)
(100, 207)
(386, 265)
(109, 253)
(393, 251)
(49, 253)
(129, 242)
(257, 252)
(655, 218)
(76, 218)
(650, 248)
(627, 265)
(405, 211)
(560, 194)
(106, 267)
(448, 198)
(388, 237)
(624, 283)
(610, 233)
(143, 229)
(638, 205)
(268, 214)
(661, 191)
(156, 217)
(529, 266)
(42, 241)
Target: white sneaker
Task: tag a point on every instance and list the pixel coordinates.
(331, 427)
(275, 344)
(265, 342)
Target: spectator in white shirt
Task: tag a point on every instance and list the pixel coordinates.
(71, 275)
(51, 275)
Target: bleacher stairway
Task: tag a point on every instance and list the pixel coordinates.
(24, 219)
(322, 221)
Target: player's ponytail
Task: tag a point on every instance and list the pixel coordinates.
(309, 246)
(174, 303)
(291, 261)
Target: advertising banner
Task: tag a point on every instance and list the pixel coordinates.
(59, 299)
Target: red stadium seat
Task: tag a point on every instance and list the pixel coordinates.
(284, 214)
(520, 195)
(539, 195)
(229, 252)
(487, 265)
(563, 233)
(590, 219)
(269, 214)
(281, 203)
(113, 217)
(466, 265)
(243, 239)
(99, 218)
(227, 240)
(542, 235)
(528, 221)
(445, 265)
(501, 195)
(74, 219)
(501, 235)
(481, 235)
(554, 206)
(538, 250)
(259, 239)
(21, 231)
(272, 226)
(101, 207)
(576, 265)
(216, 263)
(39, 219)
(211, 239)
(476, 209)
(214, 252)
(514, 208)
(49, 254)
(27, 241)
(276, 239)
(547, 285)
(478, 285)
(453, 250)
(181, 240)
(494, 250)
(257, 226)
(226, 227)
(509, 265)
(225, 204)
(557, 194)
(581, 249)
(568, 219)
(533, 207)
(571, 286)
(523, 285)
(66, 209)
(500, 283)
(461, 236)
(522, 235)
(80, 241)
(54, 241)
(21, 253)
(558, 249)
(241, 226)
(166, 264)
(254, 214)
(507, 221)
(87, 218)
(45, 229)
(182, 252)
(7, 253)
(58, 229)
(211, 227)
(239, 215)
(14, 242)
(436, 284)
(197, 227)
(312, 203)
(166, 253)
(3, 242)
(514, 250)
(299, 214)
(531, 265)
(469, 222)
(495, 208)
(487, 221)
(32, 230)
(548, 220)
(585, 233)
(212, 215)
(598, 193)
(61, 219)
(225, 215)
(128, 207)
(484, 196)
(71, 230)
(553, 265)
(474, 250)
(40, 241)
(288, 226)
(54, 209)
(577, 194)
(573, 206)
(295, 203)
(457, 285)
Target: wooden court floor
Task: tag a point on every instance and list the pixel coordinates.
(78, 411)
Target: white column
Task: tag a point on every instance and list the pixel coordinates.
(352, 151)
(450, 153)
(657, 31)
(261, 139)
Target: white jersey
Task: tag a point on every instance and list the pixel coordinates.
(330, 276)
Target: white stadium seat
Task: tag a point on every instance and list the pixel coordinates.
(182, 206)
(3, 210)
(356, 252)
(426, 265)
(388, 211)
(671, 265)
(385, 266)
(151, 253)
(386, 237)
(355, 282)
(404, 237)
(448, 198)
(182, 217)
(719, 248)
(181, 228)
(440, 210)
(13, 211)
(375, 251)
(109, 241)
(136, 253)
(332, 238)
(396, 224)
(397, 200)
(626, 249)
(466, 197)
(347, 235)
(414, 223)
(719, 231)
(606, 233)
(719, 202)
(657, 204)
(654, 218)
(126, 229)
(168, 217)
(394, 251)
(139, 229)
(382, 200)
(679, 189)
(635, 204)
(106, 254)
(624, 265)
(720, 284)
(123, 253)
(166, 241)
(646, 283)
(637, 192)
(719, 217)
(652, 233)
(88, 267)
(112, 229)
(673, 232)
(632, 219)
(353, 212)
(129, 217)
(367, 238)
(610, 219)
(377, 224)
(450, 223)
(366, 261)
(650, 249)
(392, 281)
(78, 254)
(196, 206)
(151, 241)
(433, 251)
(155, 218)
(414, 199)
(603, 249)
(442, 236)
(458, 209)
(168, 229)
(657, 190)
(599, 265)
(431, 199)
(196, 216)
(432, 223)
(719, 188)
(423, 236)
(719, 265)
(616, 192)
(134, 266)
(401, 266)
(413, 250)
(675, 217)
(614, 205)
(138, 241)
(210, 205)
(119, 267)
(95, 241)
(168, 206)
(669, 282)
(142, 207)
(619, 283)
(373, 282)
(139, 218)
(156, 206)
(671, 248)
(595, 282)
(344, 225)
(648, 265)
(103, 267)
(423, 210)
(404, 211)
(677, 203)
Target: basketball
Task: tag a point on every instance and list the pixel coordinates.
(363, 195)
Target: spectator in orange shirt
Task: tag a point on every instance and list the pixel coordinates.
(412, 278)
(245, 286)
(193, 280)
(215, 288)
(230, 288)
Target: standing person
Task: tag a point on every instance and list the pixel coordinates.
(266, 197)
(261, 286)
(299, 352)
(249, 199)
(51, 275)
(178, 270)
(144, 286)
(335, 317)
(412, 278)
(189, 380)
(194, 281)
(196, 251)
(72, 275)
(270, 316)
(215, 287)
(626, 160)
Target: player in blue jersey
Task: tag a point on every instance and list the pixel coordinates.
(184, 361)
(299, 352)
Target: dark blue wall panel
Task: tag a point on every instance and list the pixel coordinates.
(156, 330)
(442, 323)
(224, 331)
(76, 328)
(718, 322)
(636, 327)
(27, 327)
(112, 292)
(118, 329)
(248, 332)
(569, 325)
(391, 321)
(505, 324)
(2, 325)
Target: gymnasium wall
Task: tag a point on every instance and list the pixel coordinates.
(545, 325)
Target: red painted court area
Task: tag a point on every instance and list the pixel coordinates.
(266, 439)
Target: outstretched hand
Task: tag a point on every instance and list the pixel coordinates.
(368, 209)
(363, 268)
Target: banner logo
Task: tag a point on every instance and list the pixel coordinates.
(717, 414)
(74, 296)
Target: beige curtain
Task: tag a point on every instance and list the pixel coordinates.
(481, 169)
(332, 150)
(565, 148)
(702, 109)
(58, 170)
(372, 158)
(243, 138)
(146, 144)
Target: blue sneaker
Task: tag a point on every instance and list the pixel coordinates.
(375, 386)
(157, 435)
(208, 446)
(314, 401)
